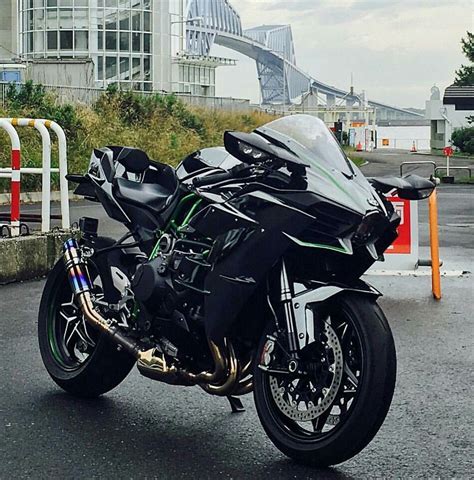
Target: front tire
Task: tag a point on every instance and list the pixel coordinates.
(79, 359)
(368, 375)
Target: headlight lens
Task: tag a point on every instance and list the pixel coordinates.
(252, 152)
(369, 226)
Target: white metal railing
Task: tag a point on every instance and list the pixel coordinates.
(42, 126)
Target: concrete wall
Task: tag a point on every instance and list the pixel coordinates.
(402, 137)
(8, 29)
(74, 73)
(24, 258)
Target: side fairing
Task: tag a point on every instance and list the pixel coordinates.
(235, 277)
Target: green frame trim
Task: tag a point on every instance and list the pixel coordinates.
(319, 245)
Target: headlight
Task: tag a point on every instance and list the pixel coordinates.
(252, 152)
(369, 226)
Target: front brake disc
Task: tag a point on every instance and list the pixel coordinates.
(309, 404)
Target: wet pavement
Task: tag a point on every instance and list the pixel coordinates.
(144, 429)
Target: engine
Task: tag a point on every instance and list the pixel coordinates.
(169, 289)
(152, 283)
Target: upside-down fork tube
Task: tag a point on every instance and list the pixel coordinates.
(220, 381)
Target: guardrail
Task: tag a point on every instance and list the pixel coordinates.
(15, 171)
(454, 168)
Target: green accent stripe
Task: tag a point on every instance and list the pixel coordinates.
(319, 245)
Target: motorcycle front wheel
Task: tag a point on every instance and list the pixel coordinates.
(332, 406)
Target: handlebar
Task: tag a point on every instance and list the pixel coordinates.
(234, 172)
(213, 178)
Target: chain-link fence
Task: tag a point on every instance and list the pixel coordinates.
(88, 96)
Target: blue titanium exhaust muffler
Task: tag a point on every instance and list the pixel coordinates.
(81, 286)
(75, 267)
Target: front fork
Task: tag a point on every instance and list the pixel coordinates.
(286, 297)
(294, 322)
(299, 318)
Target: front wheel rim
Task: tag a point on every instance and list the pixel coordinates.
(335, 416)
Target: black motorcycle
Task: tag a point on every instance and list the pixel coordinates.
(240, 272)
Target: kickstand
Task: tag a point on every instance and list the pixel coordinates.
(236, 404)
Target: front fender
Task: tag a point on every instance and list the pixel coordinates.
(318, 293)
(322, 291)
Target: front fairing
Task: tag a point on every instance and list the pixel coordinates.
(330, 174)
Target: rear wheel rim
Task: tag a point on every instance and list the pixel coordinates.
(71, 340)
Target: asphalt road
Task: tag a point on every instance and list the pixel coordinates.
(144, 429)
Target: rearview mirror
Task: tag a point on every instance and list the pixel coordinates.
(410, 187)
(416, 188)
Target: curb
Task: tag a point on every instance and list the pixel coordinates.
(29, 257)
(35, 197)
(461, 157)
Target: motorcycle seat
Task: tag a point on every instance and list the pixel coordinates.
(155, 193)
(148, 195)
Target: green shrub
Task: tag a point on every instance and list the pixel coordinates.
(32, 101)
(161, 125)
(463, 138)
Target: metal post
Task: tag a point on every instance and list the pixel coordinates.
(434, 246)
(447, 165)
(46, 176)
(15, 177)
(63, 184)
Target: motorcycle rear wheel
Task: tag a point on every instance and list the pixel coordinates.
(359, 402)
(80, 360)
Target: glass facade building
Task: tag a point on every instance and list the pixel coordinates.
(118, 35)
(138, 44)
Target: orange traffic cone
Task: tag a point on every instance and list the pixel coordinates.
(359, 147)
(413, 148)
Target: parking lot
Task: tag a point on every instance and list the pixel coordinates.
(147, 429)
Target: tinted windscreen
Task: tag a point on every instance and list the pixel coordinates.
(310, 139)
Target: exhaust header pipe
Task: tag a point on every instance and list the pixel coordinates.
(221, 381)
(81, 287)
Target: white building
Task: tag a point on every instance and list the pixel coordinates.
(449, 113)
(134, 43)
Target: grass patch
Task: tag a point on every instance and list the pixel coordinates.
(163, 126)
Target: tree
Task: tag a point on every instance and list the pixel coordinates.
(465, 75)
(463, 138)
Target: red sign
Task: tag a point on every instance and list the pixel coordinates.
(448, 151)
(403, 243)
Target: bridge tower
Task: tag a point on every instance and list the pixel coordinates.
(280, 79)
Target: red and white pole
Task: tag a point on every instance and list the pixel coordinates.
(15, 177)
(15, 192)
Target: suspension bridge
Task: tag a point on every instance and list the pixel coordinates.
(281, 81)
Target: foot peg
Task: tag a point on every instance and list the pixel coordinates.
(236, 404)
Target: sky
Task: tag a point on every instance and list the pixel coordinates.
(395, 49)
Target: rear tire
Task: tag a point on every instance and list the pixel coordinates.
(368, 407)
(97, 370)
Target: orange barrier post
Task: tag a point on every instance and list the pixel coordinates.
(434, 245)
